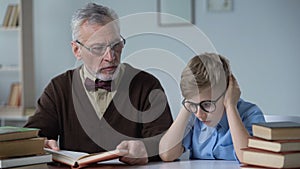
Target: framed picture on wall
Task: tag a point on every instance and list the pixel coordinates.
(176, 12)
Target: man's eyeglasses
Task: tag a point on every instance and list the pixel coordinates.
(99, 50)
(206, 105)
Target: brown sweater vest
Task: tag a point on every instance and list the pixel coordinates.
(65, 112)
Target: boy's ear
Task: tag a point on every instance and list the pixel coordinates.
(76, 50)
(226, 70)
(228, 78)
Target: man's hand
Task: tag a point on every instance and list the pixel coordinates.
(137, 154)
(52, 144)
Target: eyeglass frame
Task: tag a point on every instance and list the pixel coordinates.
(90, 49)
(200, 104)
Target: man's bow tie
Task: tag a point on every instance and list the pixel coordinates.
(97, 84)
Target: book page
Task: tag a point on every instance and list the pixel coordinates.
(112, 162)
(71, 154)
(103, 156)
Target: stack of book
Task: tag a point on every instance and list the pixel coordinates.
(21, 146)
(12, 16)
(273, 145)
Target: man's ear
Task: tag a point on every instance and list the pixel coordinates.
(76, 50)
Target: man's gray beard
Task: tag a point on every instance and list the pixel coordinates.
(104, 77)
(110, 77)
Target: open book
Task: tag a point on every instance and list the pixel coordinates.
(81, 159)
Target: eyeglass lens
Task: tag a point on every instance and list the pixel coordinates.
(206, 106)
(100, 50)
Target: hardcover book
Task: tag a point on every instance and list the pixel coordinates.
(7, 15)
(14, 133)
(15, 95)
(274, 145)
(25, 161)
(270, 159)
(277, 130)
(24, 147)
(245, 166)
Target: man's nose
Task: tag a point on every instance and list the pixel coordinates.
(109, 55)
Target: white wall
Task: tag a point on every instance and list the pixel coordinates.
(261, 39)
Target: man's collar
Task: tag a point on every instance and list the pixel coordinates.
(116, 81)
(87, 74)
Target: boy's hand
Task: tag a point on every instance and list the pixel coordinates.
(233, 93)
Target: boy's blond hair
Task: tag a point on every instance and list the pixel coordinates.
(204, 71)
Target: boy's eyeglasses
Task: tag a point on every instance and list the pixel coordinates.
(206, 105)
(99, 50)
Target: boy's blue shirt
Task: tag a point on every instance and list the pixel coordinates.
(215, 142)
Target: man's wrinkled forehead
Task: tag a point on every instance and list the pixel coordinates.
(106, 33)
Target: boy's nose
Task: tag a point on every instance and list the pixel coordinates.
(201, 115)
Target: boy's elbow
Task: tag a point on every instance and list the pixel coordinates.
(167, 157)
(170, 153)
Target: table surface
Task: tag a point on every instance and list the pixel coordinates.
(187, 164)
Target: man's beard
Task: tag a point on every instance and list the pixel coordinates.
(110, 76)
(104, 77)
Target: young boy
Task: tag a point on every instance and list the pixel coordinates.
(214, 122)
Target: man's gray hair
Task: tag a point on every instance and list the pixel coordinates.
(94, 14)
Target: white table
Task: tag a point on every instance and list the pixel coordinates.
(199, 164)
(186, 164)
